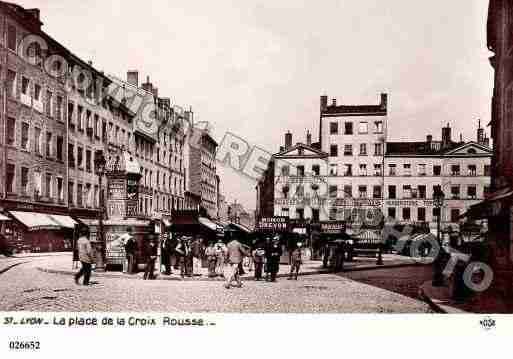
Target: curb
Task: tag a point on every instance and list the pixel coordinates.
(5, 269)
(439, 308)
(220, 279)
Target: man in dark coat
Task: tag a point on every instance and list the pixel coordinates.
(184, 252)
(166, 255)
(130, 249)
(151, 257)
(275, 253)
(267, 249)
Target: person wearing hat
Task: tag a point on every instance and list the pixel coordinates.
(130, 249)
(275, 253)
(258, 260)
(183, 249)
(210, 253)
(295, 261)
(151, 257)
(220, 250)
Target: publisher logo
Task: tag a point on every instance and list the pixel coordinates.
(487, 323)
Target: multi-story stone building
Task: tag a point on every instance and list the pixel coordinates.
(395, 178)
(33, 159)
(413, 170)
(203, 182)
(354, 137)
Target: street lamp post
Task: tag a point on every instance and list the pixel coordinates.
(438, 202)
(99, 165)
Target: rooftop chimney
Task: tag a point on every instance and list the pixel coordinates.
(308, 138)
(461, 137)
(429, 138)
(132, 77)
(446, 136)
(155, 91)
(34, 12)
(282, 148)
(288, 140)
(324, 103)
(384, 101)
(334, 102)
(147, 85)
(480, 134)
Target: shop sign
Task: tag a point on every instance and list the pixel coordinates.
(333, 227)
(116, 188)
(352, 202)
(273, 223)
(116, 209)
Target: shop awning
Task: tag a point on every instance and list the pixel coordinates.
(185, 223)
(4, 218)
(64, 221)
(38, 221)
(241, 228)
(490, 207)
(209, 224)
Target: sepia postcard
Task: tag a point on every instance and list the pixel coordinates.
(180, 164)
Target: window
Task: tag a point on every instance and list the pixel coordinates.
(333, 128)
(348, 150)
(362, 191)
(11, 37)
(377, 169)
(378, 149)
(472, 170)
(455, 170)
(334, 150)
(48, 185)
(80, 113)
(363, 128)
(406, 191)
(333, 169)
(392, 192)
(348, 169)
(363, 149)
(58, 109)
(348, 126)
(300, 171)
(378, 127)
(60, 190)
(300, 213)
(455, 215)
(407, 169)
(422, 170)
(422, 191)
(392, 170)
(60, 142)
(455, 192)
(363, 169)
(80, 157)
(37, 184)
(300, 191)
(437, 170)
(285, 212)
(421, 214)
(9, 179)
(391, 212)
(406, 213)
(285, 170)
(25, 136)
(24, 181)
(96, 126)
(37, 141)
(316, 169)
(71, 155)
(104, 132)
(48, 144)
(11, 83)
(25, 85)
(376, 192)
(315, 215)
(37, 92)
(333, 191)
(487, 171)
(472, 191)
(348, 191)
(80, 195)
(49, 110)
(333, 214)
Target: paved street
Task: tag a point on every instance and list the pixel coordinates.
(23, 287)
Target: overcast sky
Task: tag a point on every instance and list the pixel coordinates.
(257, 68)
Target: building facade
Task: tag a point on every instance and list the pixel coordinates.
(373, 174)
(56, 120)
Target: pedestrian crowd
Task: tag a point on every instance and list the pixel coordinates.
(186, 254)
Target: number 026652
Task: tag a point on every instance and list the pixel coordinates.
(24, 345)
